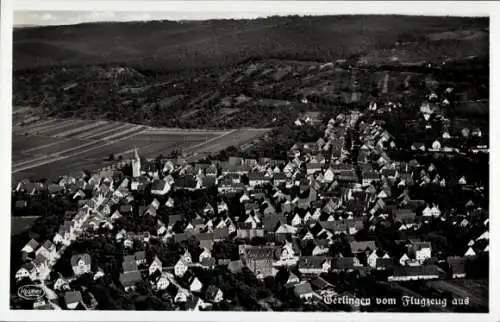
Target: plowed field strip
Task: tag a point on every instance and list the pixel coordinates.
(80, 129)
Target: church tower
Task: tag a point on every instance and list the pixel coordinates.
(136, 164)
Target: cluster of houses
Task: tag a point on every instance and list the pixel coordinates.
(95, 213)
(178, 281)
(40, 259)
(299, 210)
(434, 108)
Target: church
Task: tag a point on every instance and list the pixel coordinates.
(136, 164)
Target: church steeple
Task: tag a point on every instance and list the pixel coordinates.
(136, 164)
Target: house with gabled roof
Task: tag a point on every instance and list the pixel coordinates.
(61, 284)
(246, 230)
(211, 170)
(20, 204)
(73, 299)
(270, 222)
(160, 280)
(194, 303)
(235, 266)
(140, 257)
(81, 263)
(321, 248)
(206, 240)
(116, 215)
(181, 295)
(168, 167)
(62, 236)
(27, 270)
(297, 220)
(348, 176)
(180, 237)
(258, 179)
(206, 253)
(130, 279)
(405, 216)
(320, 284)
(283, 230)
(335, 227)
(181, 267)
(336, 148)
(363, 246)
(457, 266)
(208, 263)
(160, 187)
(213, 294)
(260, 259)
(279, 178)
(312, 167)
(422, 250)
(339, 264)
(408, 273)
(470, 252)
(129, 264)
(289, 252)
(195, 285)
(369, 176)
(188, 182)
(314, 264)
(304, 291)
(47, 249)
(384, 263)
(30, 247)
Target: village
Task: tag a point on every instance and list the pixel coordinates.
(342, 204)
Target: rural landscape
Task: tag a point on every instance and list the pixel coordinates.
(316, 163)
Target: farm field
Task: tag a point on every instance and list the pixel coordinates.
(233, 138)
(43, 152)
(20, 224)
(26, 148)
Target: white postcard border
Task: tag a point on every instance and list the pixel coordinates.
(231, 8)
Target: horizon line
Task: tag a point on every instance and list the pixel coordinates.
(237, 18)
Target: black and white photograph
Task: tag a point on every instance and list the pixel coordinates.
(188, 161)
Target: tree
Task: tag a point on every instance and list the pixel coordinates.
(225, 250)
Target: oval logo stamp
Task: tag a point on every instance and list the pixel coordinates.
(30, 292)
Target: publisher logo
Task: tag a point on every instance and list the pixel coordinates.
(30, 292)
